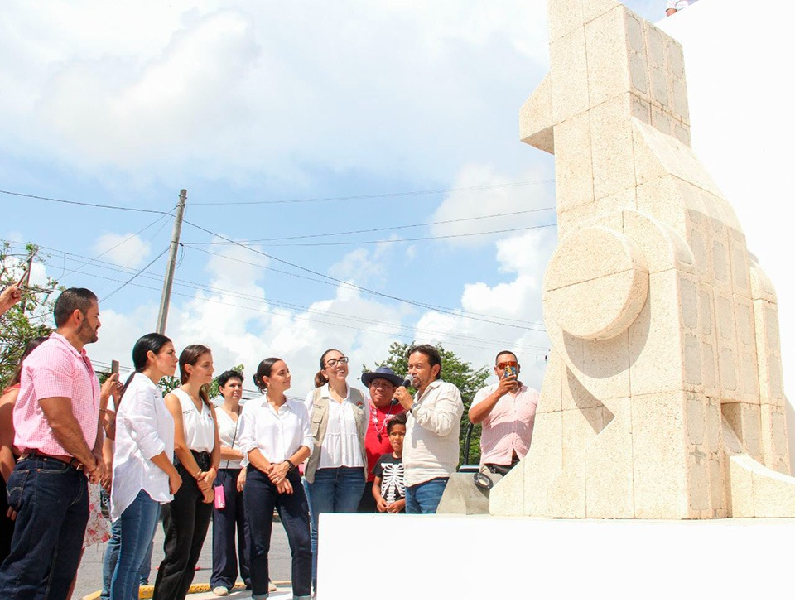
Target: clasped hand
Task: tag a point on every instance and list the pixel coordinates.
(277, 474)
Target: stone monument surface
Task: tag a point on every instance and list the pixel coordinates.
(662, 397)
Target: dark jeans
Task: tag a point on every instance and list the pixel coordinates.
(260, 499)
(138, 526)
(227, 522)
(333, 491)
(424, 498)
(367, 503)
(186, 521)
(52, 504)
(6, 524)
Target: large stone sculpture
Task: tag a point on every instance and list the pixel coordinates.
(662, 396)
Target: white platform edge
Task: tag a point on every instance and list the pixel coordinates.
(466, 557)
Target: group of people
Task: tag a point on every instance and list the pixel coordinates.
(180, 459)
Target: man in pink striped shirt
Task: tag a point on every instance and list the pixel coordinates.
(506, 410)
(56, 423)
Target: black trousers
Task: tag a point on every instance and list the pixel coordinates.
(186, 521)
(367, 503)
(228, 523)
(260, 499)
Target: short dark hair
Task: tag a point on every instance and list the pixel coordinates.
(499, 354)
(69, 301)
(432, 352)
(227, 375)
(399, 419)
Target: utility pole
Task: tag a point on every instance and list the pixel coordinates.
(161, 326)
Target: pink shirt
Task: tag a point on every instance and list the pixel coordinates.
(55, 370)
(509, 426)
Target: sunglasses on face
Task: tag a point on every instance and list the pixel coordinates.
(512, 364)
(332, 362)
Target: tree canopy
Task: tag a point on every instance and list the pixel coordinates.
(29, 318)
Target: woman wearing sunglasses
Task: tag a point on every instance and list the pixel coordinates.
(336, 470)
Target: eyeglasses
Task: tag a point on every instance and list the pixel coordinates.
(512, 363)
(332, 362)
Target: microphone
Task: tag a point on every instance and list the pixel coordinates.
(407, 381)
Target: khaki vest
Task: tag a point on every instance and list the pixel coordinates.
(319, 425)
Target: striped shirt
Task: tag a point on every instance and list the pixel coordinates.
(56, 369)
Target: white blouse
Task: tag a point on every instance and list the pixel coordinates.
(145, 429)
(230, 434)
(341, 446)
(198, 425)
(277, 434)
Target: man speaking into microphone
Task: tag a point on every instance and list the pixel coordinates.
(381, 383)
(430, 448)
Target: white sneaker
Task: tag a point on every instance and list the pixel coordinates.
(220, 590)
(272, 587)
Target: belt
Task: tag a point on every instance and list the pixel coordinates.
(66, 459)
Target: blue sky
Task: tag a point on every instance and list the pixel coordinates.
(282, 121)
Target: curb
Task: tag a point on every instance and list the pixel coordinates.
(146, 591)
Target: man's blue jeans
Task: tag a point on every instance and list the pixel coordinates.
(52, 504)
(424, 497)
(138, 526)
(333, 491)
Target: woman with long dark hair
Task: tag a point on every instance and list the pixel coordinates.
(144, 476)
(337, 469)
(276, 437)
(186, 518)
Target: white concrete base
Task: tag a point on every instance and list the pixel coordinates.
(463, 557)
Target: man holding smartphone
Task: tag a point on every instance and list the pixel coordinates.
(506, 410)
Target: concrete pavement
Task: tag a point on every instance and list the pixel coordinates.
(90, 573)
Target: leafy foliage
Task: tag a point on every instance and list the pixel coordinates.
(456, 371)
(170, 383)
(28, 319)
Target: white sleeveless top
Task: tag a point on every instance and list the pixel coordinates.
(198, 426)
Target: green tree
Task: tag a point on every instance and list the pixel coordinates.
(30, 317)
(456, 371)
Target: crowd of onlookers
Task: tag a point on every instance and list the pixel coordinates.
(68, 443)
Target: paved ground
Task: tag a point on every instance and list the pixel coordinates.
(90, 573)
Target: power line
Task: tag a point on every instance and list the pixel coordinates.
(375, 196)
(333, 324)
(280, 303)
(358, 287)
(135, 275)
(334, 284)
(375, 229)
(130, 237)
(87, 204)
(417, 239)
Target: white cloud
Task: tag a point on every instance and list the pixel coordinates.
(505, 316)
(240, 89)
(503, 198)
(123, 249)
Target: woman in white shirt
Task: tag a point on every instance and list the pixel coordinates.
(186, 518)
(229, 519)
(337, 469)
(276, 437)
(144, 476)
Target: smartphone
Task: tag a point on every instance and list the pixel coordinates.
(509, 371)
(115, 367)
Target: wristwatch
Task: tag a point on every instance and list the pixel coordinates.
(292, 466)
